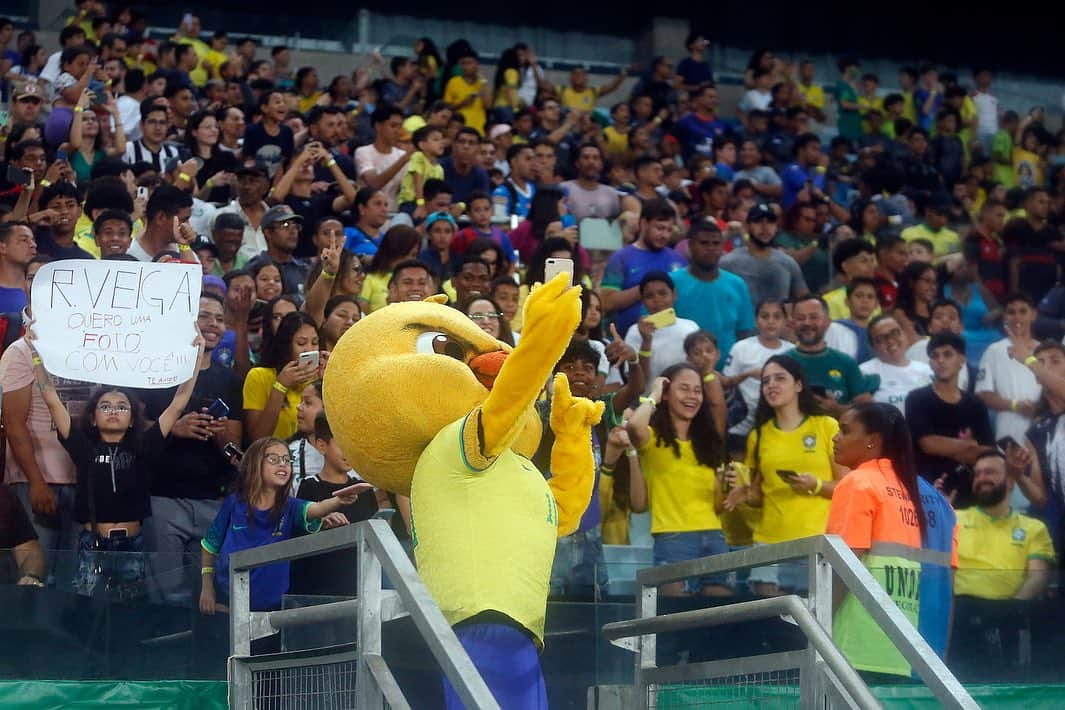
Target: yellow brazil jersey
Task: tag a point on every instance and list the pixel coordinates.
(680, 490)
(484, 539)
(945, 241)
(836, 300)
(257, 387)
(993, 553)
(787, 515)
(909, 108)
(579, 100)
(617, 143)
(83, 236)
(456, 93)
(375, 290)
(815, 95)
(417, 165)
(866, 104)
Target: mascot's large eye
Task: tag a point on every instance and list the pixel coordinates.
(433, 343)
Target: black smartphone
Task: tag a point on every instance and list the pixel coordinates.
(17, 176)
(218, 409)
(787, 475)
(233, 452)
(819, 390)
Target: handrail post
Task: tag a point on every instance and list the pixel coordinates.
(366, 690)
(239, 611)
(647, 648)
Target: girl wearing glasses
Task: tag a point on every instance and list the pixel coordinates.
(113, 454)
(262, 510)
(488, 316)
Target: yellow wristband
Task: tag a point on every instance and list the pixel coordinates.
(818, 487)
(209, 183)
(328, 275)
(648, 400)
(183, 177)
(280, 387)
(184, 247)
(45, 182)
(78, 109)
(645, 353)
(331, 163)
(710, 378)
(1028, 361)
(206, 570)
(420, 201)
(36, 359)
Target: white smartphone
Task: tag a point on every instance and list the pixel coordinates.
(309, 357)
(553, 267)
(142, 193)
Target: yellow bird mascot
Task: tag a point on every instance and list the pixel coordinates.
(426, 404)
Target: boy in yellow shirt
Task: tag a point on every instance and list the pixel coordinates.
(424, 164)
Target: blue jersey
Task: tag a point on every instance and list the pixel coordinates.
(232, 531)
(627, 267)
(933, 620)
(697, 135)
(794, 179)
(508, 200)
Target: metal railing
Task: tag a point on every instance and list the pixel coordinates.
(294, 679)
(825, 677)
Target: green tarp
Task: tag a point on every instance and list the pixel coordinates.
(142, 695)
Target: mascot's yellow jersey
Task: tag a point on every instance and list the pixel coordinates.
(479, 542)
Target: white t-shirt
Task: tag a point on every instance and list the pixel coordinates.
(840, 337)
(756, 99)
(253, 243)
(667, 346)
(370, 160)
(919, 352)
(129, 112)
(897, 382)
(986, 113)
(749, 354)
(1009, 379)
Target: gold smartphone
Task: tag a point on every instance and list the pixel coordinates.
(662, 318)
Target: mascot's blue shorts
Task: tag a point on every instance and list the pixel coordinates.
(508, 662)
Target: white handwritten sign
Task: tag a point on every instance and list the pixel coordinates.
(122, 323)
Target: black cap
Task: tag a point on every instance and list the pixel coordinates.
(761, 212)
(201, 242)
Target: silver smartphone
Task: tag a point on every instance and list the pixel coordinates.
(553, 267)
(309, 357)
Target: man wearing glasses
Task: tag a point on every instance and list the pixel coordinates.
(281, 227)
(152, 147)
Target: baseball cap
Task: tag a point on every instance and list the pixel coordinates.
(438, 216)
(500, 129)
(216, 282)
(202, 242)
(254, 170)
(411, 124)
(31, 89)
(279, 213)
(761, 212)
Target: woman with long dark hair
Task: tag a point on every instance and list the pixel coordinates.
(680, 451)
(399, 244)
(918, 287)
(877, 511)
(202, 135)
(505, 102)
(272, 390)
(790, 456)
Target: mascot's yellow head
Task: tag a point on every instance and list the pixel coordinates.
(399, 376)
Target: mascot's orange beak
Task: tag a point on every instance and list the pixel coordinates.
(486, 367)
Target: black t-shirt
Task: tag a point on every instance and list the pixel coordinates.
(1038, 267)
(928, 415)
(47, 246)
(293, 272)
(15, 530)
(266, 149)
(191, 468)
(333, 573)
(312, 209)
(116, 476)
(221, 161)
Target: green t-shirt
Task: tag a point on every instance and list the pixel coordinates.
(816, 269)
(849, 121)
(1002, 159)
(833, 370)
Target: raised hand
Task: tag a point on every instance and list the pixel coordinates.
(617, 350)
(572, 415)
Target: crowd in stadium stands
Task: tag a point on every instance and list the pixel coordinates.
(754, 280)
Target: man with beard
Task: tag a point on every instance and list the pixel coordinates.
(833, 376)
(769, 273)
(1001, 553)
(628, 266)
(717, 300)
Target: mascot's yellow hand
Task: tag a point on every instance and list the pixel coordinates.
(572, 416)
(552, 308)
